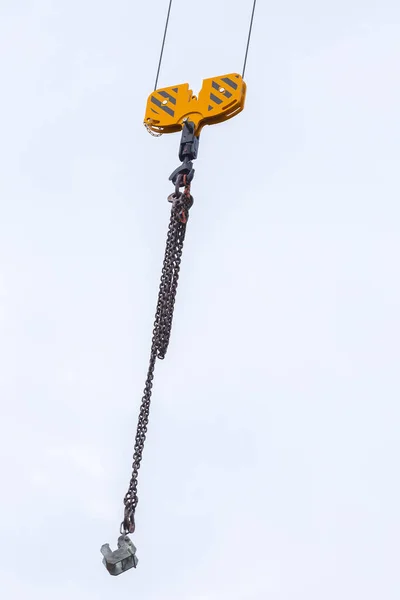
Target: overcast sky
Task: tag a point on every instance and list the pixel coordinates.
(271, 465)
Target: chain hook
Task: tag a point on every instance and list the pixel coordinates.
(178, 185)
(128, 524)
(181, 202)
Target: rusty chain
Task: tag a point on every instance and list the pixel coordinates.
(181, 204)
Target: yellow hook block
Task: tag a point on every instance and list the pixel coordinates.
(220, 99)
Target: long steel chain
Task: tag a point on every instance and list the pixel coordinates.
(181, 203)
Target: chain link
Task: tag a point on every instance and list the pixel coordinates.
(151, 132)
(181, 203)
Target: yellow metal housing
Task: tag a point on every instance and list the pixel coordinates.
(220, 98)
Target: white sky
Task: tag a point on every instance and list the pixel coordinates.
(271, 465)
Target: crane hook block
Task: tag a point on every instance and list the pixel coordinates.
(220, 99)
(120, 560)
